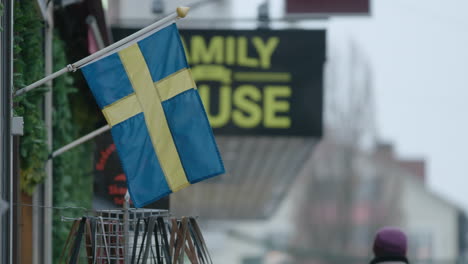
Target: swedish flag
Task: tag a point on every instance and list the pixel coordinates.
(159, 126)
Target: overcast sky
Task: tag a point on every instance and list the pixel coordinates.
(419, 53)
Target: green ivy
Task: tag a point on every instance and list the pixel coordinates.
(29, 67)
(73, 182)
(73, 185)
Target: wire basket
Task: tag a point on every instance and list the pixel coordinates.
(119, 236)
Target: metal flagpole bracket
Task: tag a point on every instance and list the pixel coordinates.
(17, 126)
(71, 68)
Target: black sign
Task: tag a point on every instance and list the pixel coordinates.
(258, 82)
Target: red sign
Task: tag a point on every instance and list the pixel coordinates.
(115, 180)
(316, 7)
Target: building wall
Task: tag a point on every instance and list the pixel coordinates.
(431, 222)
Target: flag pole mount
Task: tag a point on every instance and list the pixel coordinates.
(182, 11)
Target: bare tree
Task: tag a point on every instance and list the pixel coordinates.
(341, 207)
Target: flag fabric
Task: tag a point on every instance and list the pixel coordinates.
(159, 126)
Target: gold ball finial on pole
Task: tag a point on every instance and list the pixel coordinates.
(182, 11)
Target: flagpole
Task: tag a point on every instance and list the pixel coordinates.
(181, 12)
(79, 141)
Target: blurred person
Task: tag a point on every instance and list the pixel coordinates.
(390, 246)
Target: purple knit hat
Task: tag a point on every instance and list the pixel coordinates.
(390, 243)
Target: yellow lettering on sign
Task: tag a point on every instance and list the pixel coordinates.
(243, 58)
(265, 51)
(273, 105)
(249, 113)
(224, 113)
(201, 53)
(230, 50)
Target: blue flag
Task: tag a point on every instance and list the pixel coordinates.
(159, 126)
